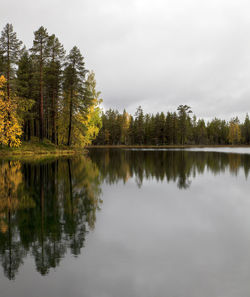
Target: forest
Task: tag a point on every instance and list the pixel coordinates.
(171, 128)
(48, 95)
(45, 94)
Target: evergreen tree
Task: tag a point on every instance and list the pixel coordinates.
(40, 54)
(246, 130)
(184, 121)
(2, 63)
(148, 129)
(53, 80)
(10, 51)
(125, 121)
(88, 117)
(139, 126)
(169, 128)
(175, 126)
(131, 131)
(74, 83)
(234, 135)
(201, 132)
(24, 84)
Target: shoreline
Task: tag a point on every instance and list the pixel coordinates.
(47, 150)
(186, 146)
(39, 150)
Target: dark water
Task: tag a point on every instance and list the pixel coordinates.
(126, 223)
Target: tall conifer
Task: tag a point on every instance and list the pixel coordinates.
(40, 53)
(74, 79)
(10, 51)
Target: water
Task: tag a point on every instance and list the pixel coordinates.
(126, 223)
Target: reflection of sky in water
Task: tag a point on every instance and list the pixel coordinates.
(157, 240)
(235, 150)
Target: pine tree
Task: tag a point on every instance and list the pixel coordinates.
(40, 54)
(10, 51)
(24, 82)
(53, 79)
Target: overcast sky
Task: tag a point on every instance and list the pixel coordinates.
(157, 54)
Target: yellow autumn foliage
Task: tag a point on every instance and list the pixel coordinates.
(90, 121)
(10, 128)
(11, 181)
(86, 115)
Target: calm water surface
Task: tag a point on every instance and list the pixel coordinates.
(126, 223)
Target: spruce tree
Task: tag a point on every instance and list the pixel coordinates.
(246, 129)
(2, 64)
(139, 126)
(10, 51)
(74, 82)
(184, 120)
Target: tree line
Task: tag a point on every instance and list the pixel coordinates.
(171, 128)
(45, 93)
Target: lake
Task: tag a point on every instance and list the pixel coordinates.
(126, 223)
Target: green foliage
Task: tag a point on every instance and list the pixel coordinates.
(10, 51)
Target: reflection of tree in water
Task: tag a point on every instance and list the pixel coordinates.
(46, 208)
(177, 166)
(11, 250)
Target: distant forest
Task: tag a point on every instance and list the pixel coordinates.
(45, 93)
(171, 128)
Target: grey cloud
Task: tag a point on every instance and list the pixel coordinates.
(157, 54)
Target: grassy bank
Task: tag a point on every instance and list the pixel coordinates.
(36, 149)
(164, 146)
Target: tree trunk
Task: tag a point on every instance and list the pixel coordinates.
(41, 118)
(35, 134)
(8, 67)
(53, 119)
(70, 117)
(29, 132)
